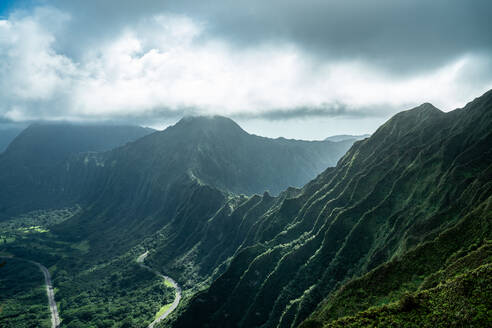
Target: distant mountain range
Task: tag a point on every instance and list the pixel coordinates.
(393, 229)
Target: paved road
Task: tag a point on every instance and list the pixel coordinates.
(177, 296)
(55, 318)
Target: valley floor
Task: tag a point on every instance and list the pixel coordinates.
(113, 293)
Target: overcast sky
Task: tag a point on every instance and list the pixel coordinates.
(301, 69)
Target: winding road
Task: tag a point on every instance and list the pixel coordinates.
(55, 318)
(177, 297)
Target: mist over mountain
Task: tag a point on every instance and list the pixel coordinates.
(343, 137)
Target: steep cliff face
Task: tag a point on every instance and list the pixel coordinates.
(420, 174)
(31, 167)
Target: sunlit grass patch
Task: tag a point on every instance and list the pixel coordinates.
(163, 310)
(7, 239)
(167, 283)
(83, 246)
(31, 229)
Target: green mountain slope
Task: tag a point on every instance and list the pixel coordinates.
(464, 301)
(420, 174)
(455, 251)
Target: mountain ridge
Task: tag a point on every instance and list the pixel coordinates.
(399, 188)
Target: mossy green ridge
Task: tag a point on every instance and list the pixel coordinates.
(400, 203)
(465, 301)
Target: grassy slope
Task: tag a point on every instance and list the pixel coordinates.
(464, 301)
(422, 267)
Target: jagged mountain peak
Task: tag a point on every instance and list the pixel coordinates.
(480, 104)
(409, 120)
(427, 106)
(209, 124)
(421, 112)
(218, 152)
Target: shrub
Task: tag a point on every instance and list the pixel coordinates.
(408, 302)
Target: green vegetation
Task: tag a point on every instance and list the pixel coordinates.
(162, 310)
(455, 251)
(365, 295)
(23, 300)
(167, 283)
(82, 246)
(117, 293)
(31, 229)
(465, 301)
(37, 221)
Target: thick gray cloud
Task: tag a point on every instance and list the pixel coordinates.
(353, 62)
(400, 36)
(320, 111)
